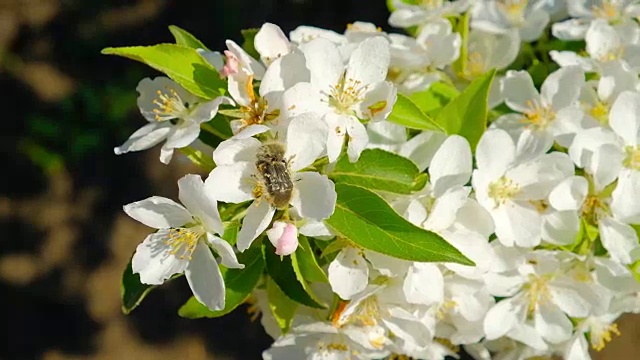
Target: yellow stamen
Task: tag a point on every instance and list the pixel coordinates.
(169, 105)
(632, 158)
(183, 241)
(502, 190)
(600, 338)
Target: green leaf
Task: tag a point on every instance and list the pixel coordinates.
(248, 36)
(239, 284)
(205, 162)
(132, 291)
(377, 169)
(435, 97)
(408, 114)
(182, 64)
(466, 115)
(282, 308)
(305, 264)
(184, 38)
(366, 219)
(281, 271)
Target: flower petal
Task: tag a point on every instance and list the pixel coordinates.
(153, 260)
(423, 284)
(314, 196)
(552, 324)
(626, 197)
(228, 257)
(503, 317)
(519, 92)
(205, 279)
(144, 138)
(324, 63)
(369, 61)
(348, 273)
(193, 195)
(358, 138)
(569, 194)
(234, 150)
(271, 43)
(618, 238)
(624, 117)
(451, 165)
(257, 219)
(495, 152)
(182, 135)
(232, 183)
(158, 212)
(306, 140)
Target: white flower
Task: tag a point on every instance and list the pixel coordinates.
(416, 63)
(275, 103)
(599, 330)
(407, 15)
(597, 96)
(512, 180)
(605, 43)
(584, 12)
(490, 51)
(348, 273)
(344, 96)
(321, 340)
(543, 290)
(182, 241)
(607, 156)
(174, 115)
(550, 115)
(237, 177)
(529, 18)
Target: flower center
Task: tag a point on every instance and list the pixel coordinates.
(444, 308)
(169, 106)
(538, 117)
(594, 206)
(368, 312)
(600, 112)
(257, 112)
(537, 292)
(514, 10)
(607, 10)
(183, 240)
(475, 66)
(632, 158)
(502, 190)
(431, 4)
(345, 94)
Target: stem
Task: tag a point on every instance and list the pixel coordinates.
(210, 129)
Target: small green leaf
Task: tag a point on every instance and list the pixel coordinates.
(305, 264)
(182, 64)
(248, 36)
(132, 291)
(239, 284)
(408, 114)
(367, 220)
(434, 98)
(184, 38)
(231, 229)
(281, 271)
(420, 182)
(205, 162)
(466, 115)
(282, 308)
(377, 169)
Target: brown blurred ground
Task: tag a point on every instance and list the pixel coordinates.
(65, 240)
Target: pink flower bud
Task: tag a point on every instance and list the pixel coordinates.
(284, 236)
(232, 65)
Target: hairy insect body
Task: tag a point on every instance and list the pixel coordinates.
(273, 170)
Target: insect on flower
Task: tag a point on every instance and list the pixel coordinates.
(274, 175)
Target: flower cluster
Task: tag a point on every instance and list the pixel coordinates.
(471, 186)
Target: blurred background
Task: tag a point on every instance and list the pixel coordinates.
(64, 239)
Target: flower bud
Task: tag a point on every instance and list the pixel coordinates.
(284, 236)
